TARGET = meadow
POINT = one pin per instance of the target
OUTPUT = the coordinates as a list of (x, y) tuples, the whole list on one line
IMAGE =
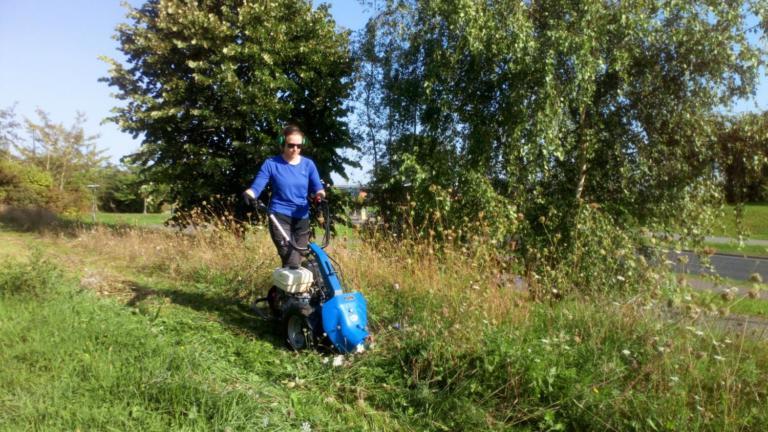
[(139, 329)]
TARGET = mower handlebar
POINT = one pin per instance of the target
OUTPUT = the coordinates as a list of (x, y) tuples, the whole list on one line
[(322, 204)]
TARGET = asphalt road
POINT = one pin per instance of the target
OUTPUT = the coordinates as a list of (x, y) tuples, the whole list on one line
[(729, 266)]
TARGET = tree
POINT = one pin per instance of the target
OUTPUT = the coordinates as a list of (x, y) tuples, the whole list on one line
[(209, 85), (743, 156), (560, 103), (68, 154), (9, 135), (119, 189)]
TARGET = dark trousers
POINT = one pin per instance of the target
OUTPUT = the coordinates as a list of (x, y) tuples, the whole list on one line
[(297, 230)]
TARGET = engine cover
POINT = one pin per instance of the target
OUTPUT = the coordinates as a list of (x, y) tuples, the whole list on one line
[(292, 281)]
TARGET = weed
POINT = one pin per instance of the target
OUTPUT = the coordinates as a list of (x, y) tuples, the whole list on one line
[(36, 276)]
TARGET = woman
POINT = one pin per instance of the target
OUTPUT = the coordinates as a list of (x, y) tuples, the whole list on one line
[(292, 177)]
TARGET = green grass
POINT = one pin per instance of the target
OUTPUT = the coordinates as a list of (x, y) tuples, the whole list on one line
[(134, 219), (171, 348), (754, 225), (734, 249), (172, 360), (741, 305), (752, 307)]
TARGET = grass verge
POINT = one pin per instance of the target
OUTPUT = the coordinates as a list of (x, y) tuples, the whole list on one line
[(735, 249), (120, 219), (754, 224)]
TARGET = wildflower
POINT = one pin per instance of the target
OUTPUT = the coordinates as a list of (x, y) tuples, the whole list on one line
[(674, 379), (338, 360), (626, 352), (718, 358), (306, 427), (620, 278)]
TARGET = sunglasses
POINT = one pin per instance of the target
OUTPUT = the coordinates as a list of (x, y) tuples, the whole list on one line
[(292, 146)]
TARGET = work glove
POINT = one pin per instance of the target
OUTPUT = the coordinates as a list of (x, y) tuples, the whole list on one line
[(249, 200)]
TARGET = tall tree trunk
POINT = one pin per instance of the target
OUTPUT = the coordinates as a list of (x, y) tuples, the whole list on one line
[(582, 155)]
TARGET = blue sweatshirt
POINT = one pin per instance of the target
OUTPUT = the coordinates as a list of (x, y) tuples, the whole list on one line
[(290, 185)]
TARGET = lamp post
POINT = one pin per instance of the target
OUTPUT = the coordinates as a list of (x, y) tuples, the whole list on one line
[(93, 188)]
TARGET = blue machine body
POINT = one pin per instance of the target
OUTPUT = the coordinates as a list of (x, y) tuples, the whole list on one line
[(345, 321), (345, 315)]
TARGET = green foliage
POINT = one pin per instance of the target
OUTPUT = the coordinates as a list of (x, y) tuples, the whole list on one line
[(119, 190), (461, 206), (24, 184), (743, 156), (600, 260), (124, 189), (68, 154), (557, 103), (68, 158), (210, 84)]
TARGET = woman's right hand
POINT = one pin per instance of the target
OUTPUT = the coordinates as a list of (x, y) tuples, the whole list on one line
[(249, 198)]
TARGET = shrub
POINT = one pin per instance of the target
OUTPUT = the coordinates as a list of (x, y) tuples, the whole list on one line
[(24, 184)]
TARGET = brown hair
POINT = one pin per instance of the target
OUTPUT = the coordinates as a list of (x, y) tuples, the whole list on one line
[(292, 129)]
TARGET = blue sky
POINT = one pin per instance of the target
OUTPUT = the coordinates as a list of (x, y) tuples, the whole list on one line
[(49, 59)]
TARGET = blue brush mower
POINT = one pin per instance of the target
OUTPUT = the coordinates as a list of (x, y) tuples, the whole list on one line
[(310, 303)]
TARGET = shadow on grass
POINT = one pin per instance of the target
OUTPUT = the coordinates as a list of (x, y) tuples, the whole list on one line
[(231, 312), (40, 220)]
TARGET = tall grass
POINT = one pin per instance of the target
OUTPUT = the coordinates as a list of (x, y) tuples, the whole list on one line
[(458, 343)]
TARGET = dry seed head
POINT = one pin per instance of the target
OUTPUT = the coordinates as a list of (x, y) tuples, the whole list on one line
[(727, 295)]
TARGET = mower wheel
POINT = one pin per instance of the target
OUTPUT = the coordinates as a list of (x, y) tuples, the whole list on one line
[(297, 328)]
